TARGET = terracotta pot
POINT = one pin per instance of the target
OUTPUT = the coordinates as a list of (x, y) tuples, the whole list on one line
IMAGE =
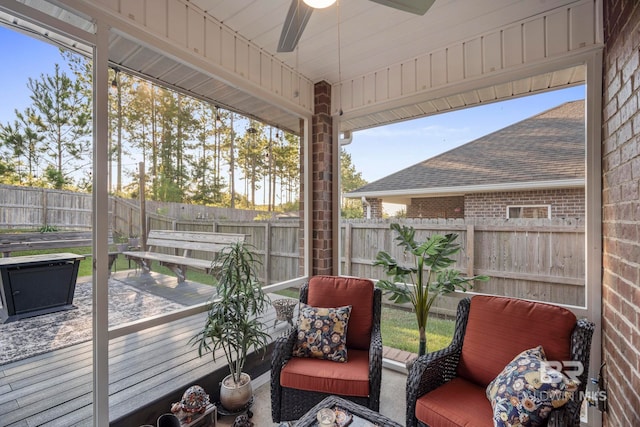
[(235, 397)]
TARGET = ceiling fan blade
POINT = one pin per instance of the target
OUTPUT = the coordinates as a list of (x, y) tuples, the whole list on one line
[(297, 18), (417, 7)]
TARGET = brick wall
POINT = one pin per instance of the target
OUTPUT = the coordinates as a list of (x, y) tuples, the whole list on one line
[(621, 211), (376, 208), (322, 181), (565, 203), (436, 207)]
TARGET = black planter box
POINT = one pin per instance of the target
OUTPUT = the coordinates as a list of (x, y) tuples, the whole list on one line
[(37, 284)]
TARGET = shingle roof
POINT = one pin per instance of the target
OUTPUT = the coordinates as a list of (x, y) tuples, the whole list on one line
[(547, 147)]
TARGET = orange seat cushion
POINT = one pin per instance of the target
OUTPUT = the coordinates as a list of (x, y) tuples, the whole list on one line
[(333, 291), (346, 379), (455, 404), (500, 328)]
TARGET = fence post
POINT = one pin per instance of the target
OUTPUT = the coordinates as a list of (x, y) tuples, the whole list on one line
[(45, 213), (347, 249), (470, 249), (114, 213), (267, 253), (130, 221)]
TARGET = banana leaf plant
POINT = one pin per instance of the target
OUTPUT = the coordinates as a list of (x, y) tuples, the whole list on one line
[(429, 276)]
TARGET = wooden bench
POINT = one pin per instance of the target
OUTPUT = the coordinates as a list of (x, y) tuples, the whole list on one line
[(186, 242)]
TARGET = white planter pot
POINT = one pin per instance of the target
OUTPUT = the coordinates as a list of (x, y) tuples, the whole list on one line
[(235, 397)]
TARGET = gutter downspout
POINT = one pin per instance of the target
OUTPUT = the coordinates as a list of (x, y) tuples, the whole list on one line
[(367, 206), (345, 138)]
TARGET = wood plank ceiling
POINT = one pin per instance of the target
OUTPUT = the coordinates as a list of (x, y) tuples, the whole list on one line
[(385, 65)]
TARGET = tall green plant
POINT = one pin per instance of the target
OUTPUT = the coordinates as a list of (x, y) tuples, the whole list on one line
[(234, 323), (429, 277)]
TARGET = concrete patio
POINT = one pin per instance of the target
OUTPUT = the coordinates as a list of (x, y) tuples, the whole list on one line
[(392, 402)]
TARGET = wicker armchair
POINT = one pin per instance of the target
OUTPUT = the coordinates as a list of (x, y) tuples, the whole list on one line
[(318, 379), (433, 371)]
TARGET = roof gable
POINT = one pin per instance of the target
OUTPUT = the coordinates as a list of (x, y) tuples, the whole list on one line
[(546, 147)]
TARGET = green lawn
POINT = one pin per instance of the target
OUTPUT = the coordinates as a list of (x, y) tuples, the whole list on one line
[(398, 326), (400, 330)]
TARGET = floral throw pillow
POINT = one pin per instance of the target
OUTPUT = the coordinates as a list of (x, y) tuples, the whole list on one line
[(527, 389), (322, 333)]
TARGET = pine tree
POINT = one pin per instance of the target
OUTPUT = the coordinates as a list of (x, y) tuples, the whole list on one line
[(62, 117)]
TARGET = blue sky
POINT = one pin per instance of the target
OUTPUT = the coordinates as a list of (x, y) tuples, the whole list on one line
[(375, 152), (381, 151), (24, 57)]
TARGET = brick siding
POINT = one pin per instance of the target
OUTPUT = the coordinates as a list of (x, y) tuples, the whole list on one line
[(436, 207), (322, 181), (621, 211), (565, 203), (376, 208)]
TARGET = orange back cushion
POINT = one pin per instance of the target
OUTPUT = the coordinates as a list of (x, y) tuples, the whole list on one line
[(333, 291), (500, 328)]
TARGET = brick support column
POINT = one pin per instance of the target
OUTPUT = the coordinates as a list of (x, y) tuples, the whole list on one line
[(621, 212), (376, 208), (323, 184)]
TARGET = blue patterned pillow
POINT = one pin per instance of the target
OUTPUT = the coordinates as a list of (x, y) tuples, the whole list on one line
[(322, 333), (527, 389)]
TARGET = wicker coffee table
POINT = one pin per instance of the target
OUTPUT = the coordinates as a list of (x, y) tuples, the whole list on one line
[(362, 417)]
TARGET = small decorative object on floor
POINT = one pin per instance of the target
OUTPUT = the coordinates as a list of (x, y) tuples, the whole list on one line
[(194, 402), (242, 421)]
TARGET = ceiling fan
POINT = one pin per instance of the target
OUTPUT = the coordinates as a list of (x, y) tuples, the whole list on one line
[(300, 12)]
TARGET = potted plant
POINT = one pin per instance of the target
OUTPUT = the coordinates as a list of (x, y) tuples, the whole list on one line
[(429, 274), (233, 322), (120, 241), (134, 241)]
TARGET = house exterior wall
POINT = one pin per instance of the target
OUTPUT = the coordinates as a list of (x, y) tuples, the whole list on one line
[(375, 208), (621, 212), (436, 207), (565, 203)]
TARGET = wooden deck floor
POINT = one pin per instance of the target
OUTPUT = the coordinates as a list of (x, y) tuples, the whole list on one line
[(55, 388)]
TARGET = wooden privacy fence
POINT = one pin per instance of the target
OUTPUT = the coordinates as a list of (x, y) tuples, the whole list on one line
[(535, 259), (538, 259), (34, 207), (31, 207), (541, 260)]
